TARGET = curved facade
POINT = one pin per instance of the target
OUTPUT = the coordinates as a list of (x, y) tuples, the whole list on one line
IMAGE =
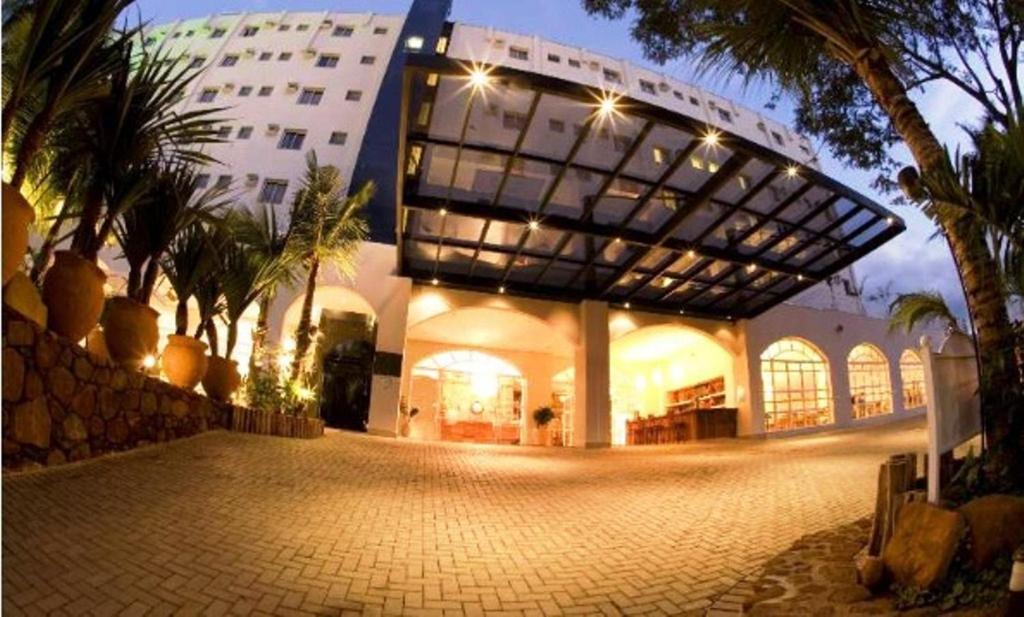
[(676, 209)]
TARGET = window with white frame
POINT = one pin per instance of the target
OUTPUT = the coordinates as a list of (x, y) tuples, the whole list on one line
[(327, 61), (273, 191), (912, 376), (291, 140), (229, 60), (244, 132), (796, 385), (266, 90), (338, 138), (354, 95), (245, 91), (344, 31), (518, 53), (250, 31), (870, 390), (311, 96), (208, 95)]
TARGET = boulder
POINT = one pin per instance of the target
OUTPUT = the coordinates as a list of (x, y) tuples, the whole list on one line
[(923, 545), (31, 423), (995, 525), (13, 374)]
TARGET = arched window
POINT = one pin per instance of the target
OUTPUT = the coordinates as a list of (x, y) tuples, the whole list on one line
[(797, 389), (912, 376), (870, 389), (465, 361)]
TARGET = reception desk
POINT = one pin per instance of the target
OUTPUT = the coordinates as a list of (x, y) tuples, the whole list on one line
[(678, 426)]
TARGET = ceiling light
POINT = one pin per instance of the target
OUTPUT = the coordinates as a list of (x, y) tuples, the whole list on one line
[(792, 171), (478, 78), (890, 220), (618, 240), (501, 289), (626, 305), (682, 312), (534, 225), (607, 106), (443, 212), (752, 268), (691, 253), (711, 138), (799, 277), (149, 361), (665, 282), (434, 282)]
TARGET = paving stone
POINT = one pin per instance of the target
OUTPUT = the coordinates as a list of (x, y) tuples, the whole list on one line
[(228, 523)]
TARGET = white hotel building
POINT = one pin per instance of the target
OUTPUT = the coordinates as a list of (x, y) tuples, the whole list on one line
[(651, 268)]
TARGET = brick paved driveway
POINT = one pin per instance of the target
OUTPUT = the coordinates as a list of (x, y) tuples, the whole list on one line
[(231, 523)]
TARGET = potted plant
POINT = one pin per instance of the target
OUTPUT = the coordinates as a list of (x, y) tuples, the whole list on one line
[(56, 57), (221, 378), (171, 202), (542, 416), (105, 151), (327, 228)]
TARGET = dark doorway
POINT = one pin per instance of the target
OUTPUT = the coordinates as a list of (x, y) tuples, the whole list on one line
[(346, 352)]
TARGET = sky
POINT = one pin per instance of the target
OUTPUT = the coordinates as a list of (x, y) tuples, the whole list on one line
[(914, 261)]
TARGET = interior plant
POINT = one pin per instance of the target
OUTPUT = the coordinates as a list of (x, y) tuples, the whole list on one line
[(105, 148), (542, 417), (172, 201), (56, 56), (327, 229)]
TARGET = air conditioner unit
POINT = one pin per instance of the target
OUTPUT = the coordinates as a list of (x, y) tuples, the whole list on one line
[(326, 24), (271, 23), (498, 42), (594, 66), (310, 53), (664, 87), (249, 53), (293, 86), (272, 129), (251, 179), (229, 87)]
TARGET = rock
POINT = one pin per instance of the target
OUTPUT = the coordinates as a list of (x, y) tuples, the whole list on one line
[(61, 384), (33, 385), (101, 376), (923, 545), (83, 368), (149, 403), (84, 402), (10, 447), (23, 296), (31, 424), (119, 380), (80, 452), (870, 572), (74, 428), (108, 403), (47, 351), (56, 457), (995, 525), (179, 408), (117, 432), (848, 594), (13, 374), (130, 400), (96, 426), (20, 333)]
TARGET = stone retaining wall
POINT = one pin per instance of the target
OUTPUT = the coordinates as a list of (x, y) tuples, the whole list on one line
[(61, 403)]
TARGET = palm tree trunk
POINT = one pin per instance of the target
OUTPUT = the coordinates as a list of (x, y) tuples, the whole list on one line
[(85, 233), (232, 339), (259, 333), (134, 281), (181, 317), (149, 281), (302, 337), (30, 145), (42, 258), (211, 336), (979, 271)]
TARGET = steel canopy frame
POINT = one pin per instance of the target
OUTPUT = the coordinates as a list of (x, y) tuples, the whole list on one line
[(626, 279)]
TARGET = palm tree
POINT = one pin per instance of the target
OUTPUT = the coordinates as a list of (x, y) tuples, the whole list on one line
[(327, 229), (187, 264), (133, 127), (259, 231), (243, 281), (173, 202), (909, 310), (57, 56), (794, 42)]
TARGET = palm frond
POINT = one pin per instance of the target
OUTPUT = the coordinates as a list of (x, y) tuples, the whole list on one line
[(911, 310)]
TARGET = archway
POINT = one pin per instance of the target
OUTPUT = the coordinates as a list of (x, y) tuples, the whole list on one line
[(503, 359), (870, 387), (797, 386), (912, 376), (667, 368)]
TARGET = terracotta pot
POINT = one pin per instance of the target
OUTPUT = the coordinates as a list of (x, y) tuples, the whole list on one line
[(96, 344), (21, 295), (184, 361), (73, 294), (17, 216), (131, 332), (221, 379)]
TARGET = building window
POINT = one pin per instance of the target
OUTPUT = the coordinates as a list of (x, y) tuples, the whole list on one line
[(250, 31), (245, 132), (311, 96), (245, 91), (414, 43), (217, 33), (660, 155), (265, 55), (229, 60), (354, 95), (870, 390), (743, 181), (380, 30), (912, 376), (345, 31), (327, 61), (284, 56), (678, 95), (778, 138), (338, 138), (554, 58), (202, 180), (367, 60), (223, 181), (612, 76), (518, 53), (273, 191), (648, 87), (291, 140), (302, 27), (284, 28), (556, 126), (574, 63), (208, 95), (223, 132), (725, 115), (797, 388), (266, 90), (513, 120), (694, 101), (197, 62)]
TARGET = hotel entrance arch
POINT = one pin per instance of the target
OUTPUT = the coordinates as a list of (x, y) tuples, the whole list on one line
[(667, 370), (477, 374)]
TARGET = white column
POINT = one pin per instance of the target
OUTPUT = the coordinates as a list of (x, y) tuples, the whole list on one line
[(593, 410), (385, 389)]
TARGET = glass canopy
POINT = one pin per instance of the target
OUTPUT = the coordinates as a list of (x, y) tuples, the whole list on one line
[(516, 182)]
